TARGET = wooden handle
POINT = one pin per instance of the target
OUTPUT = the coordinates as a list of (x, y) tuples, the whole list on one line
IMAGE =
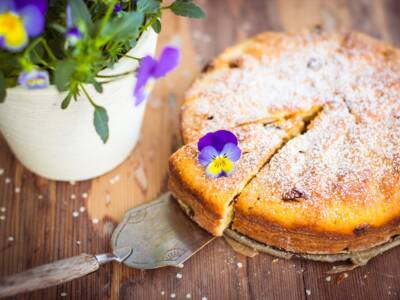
[(48, 275)]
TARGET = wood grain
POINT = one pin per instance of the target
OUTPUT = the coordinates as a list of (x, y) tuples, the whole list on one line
[(39, 218), (48, 275)]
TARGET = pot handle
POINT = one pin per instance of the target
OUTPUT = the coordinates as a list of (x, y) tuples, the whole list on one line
[(52, 274)]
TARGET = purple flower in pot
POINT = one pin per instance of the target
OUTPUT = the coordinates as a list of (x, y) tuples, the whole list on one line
[(19, 20), (151, 69)]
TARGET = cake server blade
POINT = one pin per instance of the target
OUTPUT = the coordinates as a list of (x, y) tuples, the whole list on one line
[(152, 235)]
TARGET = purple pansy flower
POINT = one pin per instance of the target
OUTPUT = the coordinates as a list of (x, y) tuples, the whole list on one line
[(117, 8), (19, 20), (35, 79), (73, 35), (218, 151), (151, 69)]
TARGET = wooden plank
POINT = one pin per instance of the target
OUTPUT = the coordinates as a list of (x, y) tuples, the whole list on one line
[(40, 217)]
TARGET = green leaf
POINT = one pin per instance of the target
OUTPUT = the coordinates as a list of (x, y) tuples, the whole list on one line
[(148, 6), (186, 8), (2, 87), (63, 74), (156, 26), (100, 122), (98, 86), (66, 101), (79, 11), (123, 27)]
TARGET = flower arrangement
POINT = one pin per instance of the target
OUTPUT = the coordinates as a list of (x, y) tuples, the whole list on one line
[(68, 44)]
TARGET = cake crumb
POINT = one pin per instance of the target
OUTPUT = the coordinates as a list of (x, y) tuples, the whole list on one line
[(179, 275), (73, 196), (188, 295), (11, 239), (75, 214), (63, 294), (40, 196), (95, 221), (78, 242), (1, 171), (239, 265), (275, 260), (2, 217), (328, 278), (308, 292), (7, 180), (85, 195), (82, 209), (162, 293), (3, 209), (115, 179), (173, 295), (17, 190)]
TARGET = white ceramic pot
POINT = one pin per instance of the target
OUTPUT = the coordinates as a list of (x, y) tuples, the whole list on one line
[(63, 144)]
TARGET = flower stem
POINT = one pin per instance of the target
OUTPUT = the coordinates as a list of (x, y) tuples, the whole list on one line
[(88, 96), (135, 58), (107, 16), (115, 75)]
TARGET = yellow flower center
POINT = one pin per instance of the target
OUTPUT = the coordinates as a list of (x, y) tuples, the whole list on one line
[(12, 30), (219, 164)]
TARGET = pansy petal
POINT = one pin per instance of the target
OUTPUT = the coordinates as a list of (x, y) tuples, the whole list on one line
[(7, 5), (214, 170), (222, 137), (40, 4), (207, 155), (33, 20), (205, 141), (228, 167), (168, 61), (231, 152), (144, 73), (35, 79)]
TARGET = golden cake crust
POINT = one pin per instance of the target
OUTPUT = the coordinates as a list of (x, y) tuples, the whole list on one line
[(332, 188)]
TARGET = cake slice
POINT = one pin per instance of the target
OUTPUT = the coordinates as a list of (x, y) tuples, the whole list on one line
[(208, 200), (330, 190)]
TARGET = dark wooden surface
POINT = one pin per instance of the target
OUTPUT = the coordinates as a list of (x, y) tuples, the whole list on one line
[(38, 226)]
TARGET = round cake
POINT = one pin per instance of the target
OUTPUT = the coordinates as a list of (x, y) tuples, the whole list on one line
[(317, 117)]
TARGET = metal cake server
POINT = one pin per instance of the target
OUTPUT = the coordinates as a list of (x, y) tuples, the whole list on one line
[(153, 235)]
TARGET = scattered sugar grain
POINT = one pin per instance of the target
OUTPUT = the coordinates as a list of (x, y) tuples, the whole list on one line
[(308, 292), (275, 260), (180, 266), (7, 180), (328, 278), (73, 196), (3, 209), (82, 209), (63, 294), (188, 295), (72, 182), (179, 275), (162, 293), (85, 195), (11, 239), (173, 295), (203, 298), (95, 221), (78, 242), (2, 218), (75, 214), (17, 190), (239, 265), (40, 196), (1, 171)]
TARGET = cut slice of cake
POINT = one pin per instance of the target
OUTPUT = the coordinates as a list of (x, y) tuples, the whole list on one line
[(330, 190), (208, 200)]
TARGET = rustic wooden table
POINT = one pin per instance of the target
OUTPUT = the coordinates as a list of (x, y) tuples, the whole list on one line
[(37, 220)]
